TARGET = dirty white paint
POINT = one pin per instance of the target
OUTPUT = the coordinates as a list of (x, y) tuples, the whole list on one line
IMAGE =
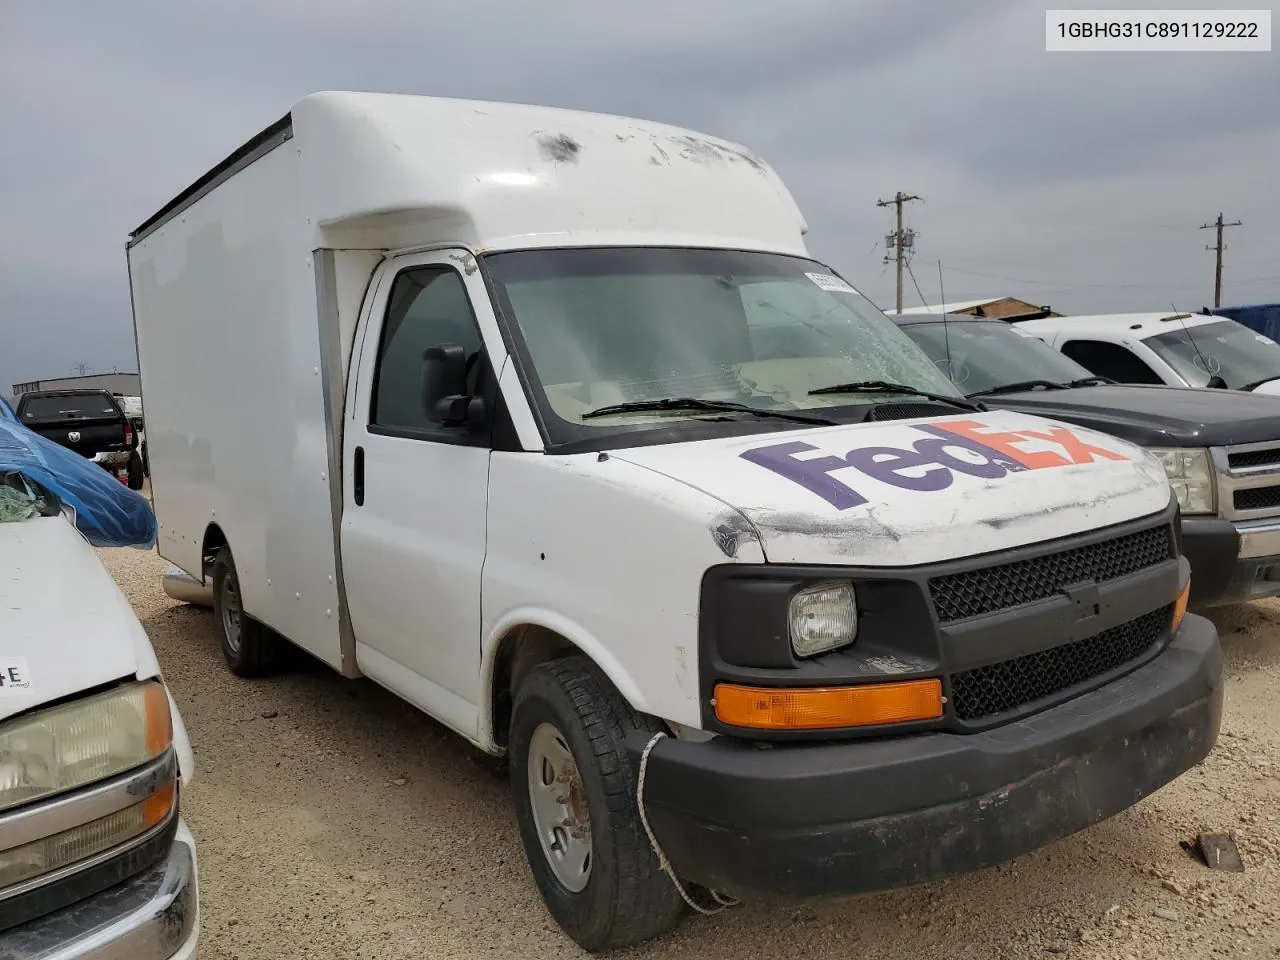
[(393, 171), (897, 523), (65, 625), (621, 578)]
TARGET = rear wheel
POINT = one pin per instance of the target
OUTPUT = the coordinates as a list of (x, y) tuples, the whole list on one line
[(250, 649), (135, 471), (575, 797)]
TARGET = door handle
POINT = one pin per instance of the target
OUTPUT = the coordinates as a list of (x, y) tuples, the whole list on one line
[(357, 480)]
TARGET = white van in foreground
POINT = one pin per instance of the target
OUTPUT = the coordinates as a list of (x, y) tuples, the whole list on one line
[(95, 861), (547, 422), (1175, 349)]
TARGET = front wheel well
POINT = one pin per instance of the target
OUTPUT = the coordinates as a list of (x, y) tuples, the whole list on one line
[(521, 650), (214, 540)]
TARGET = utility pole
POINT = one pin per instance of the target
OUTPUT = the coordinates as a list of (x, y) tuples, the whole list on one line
[(900, 241), (1218, 247)]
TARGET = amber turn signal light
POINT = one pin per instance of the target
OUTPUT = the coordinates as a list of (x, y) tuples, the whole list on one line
[(1180, 607), (821, 708)]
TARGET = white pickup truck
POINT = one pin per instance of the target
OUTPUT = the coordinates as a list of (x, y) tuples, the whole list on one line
[(95, 860), (1175, 349), (549, 423)]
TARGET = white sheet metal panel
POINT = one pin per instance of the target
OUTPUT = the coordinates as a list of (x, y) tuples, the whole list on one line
[(228, 343), (610, 556), (385, 170), (918, 491)]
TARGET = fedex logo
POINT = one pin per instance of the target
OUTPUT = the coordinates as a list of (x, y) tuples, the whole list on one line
[(930, 463)]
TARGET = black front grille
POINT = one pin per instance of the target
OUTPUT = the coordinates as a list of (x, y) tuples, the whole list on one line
[(988, 691), (1254, 458), (975, 592), (1259, 498)]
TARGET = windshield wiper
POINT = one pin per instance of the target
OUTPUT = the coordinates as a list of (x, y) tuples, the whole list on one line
[(1020, 386), (693, 403), (1258, 383), (1046, 384), (884, 386)]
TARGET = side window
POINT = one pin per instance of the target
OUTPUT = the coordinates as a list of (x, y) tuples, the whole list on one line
[(428, 307), (1110, 360)]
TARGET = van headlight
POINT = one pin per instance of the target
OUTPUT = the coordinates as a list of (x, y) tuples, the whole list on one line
[(823, 617), (1190, 473), (79, 743)]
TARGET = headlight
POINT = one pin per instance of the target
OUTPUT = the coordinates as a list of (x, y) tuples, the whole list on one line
[(1190, 474), (823, 617), (82, 742)]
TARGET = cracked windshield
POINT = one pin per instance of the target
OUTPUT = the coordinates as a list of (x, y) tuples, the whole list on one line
[(607, 329), (981, 356), (1225, 349)]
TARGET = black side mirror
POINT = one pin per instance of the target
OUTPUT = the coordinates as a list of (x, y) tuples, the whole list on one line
[(1216, 383), (444, 387)]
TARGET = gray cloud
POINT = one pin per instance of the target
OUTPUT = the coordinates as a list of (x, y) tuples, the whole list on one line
[(1075, 179)]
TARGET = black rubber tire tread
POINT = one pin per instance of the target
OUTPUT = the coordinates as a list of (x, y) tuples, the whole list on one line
[(136, 478), (261, 651), (628, 899)]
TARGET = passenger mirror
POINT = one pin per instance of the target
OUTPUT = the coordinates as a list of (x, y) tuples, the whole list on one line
[(444, 388)]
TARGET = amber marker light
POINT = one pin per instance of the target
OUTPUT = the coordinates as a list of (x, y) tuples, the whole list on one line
[(1180, 607), (821, 708)]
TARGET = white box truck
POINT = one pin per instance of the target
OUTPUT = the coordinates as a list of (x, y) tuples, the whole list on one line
[(549, 423)]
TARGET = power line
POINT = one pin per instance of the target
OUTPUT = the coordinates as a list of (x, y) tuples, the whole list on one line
[(916, 283), (900, 241), (1217, 272)]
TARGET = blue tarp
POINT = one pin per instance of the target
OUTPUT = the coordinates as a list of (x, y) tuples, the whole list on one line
[(108, 513), (1263, 318)]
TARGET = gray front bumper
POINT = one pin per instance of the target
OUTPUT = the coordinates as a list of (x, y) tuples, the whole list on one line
[(153, 916)]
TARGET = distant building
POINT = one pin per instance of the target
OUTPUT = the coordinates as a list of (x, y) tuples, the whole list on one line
[(997, 308), (128, 384)]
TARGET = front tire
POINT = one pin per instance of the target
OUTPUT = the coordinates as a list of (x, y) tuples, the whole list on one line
[(250, 649), (575, 797)]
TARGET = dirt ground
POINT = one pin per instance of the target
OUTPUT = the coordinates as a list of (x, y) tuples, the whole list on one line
[(334, 821)]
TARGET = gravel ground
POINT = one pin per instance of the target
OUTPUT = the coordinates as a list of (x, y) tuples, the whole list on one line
[(334, 821)]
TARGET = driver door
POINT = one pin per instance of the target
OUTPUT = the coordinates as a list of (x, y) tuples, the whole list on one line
[(415, 496)]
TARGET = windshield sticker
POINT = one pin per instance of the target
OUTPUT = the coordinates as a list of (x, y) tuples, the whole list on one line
[(14, 678), (968, 447), (829, 283)]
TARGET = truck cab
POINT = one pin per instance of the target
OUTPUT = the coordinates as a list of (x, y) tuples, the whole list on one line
[(549, 423), (1176, 349)]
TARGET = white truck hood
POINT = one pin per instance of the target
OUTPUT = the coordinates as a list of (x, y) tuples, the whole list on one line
[(65, 627), (917, 491)]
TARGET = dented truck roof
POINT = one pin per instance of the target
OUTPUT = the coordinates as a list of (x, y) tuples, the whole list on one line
[(388, 170)]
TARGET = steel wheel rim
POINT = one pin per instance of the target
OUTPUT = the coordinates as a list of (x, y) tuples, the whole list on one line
[(231, 614), (559, 806)]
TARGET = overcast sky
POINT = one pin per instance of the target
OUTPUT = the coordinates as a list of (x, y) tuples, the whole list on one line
[(1075, 180)]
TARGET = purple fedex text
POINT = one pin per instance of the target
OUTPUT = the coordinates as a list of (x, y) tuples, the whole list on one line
[(928, 464)]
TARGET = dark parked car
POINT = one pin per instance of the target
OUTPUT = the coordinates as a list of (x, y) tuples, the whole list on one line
[(1220, 448), (89, 422)]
